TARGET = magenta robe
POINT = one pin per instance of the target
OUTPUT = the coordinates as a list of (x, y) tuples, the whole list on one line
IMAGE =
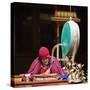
[(55, 66)]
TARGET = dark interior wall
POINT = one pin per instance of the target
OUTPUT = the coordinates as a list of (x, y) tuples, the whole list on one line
[(30, 32), (83, 48)]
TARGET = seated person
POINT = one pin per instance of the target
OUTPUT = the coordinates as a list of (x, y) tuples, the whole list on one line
[(45, 64)]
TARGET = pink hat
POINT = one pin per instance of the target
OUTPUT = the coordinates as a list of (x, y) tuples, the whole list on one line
[(43, 52)]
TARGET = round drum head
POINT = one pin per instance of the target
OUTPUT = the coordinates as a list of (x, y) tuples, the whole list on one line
[(66, 39), (70, 37)]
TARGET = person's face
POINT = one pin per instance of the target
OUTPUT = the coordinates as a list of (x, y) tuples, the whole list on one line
[(45, 62)]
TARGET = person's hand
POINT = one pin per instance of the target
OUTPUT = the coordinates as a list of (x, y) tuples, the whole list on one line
[(26, 77), (23, 78)]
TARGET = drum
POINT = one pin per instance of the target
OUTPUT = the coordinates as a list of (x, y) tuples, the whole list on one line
[(70, 37)]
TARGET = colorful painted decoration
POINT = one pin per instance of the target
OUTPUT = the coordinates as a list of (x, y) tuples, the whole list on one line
[(76, 74)]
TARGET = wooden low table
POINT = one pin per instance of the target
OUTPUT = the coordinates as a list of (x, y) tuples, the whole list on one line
[(16, 81)]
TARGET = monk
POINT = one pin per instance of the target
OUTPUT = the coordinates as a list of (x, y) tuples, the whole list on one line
[(45, 64)]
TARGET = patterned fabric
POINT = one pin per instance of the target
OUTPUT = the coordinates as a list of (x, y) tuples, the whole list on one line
[(54, 66), (44, 69)]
